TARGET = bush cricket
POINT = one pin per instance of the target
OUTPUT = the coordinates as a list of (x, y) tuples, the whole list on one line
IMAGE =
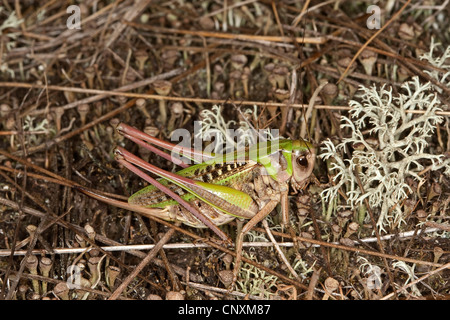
[(216, 191)]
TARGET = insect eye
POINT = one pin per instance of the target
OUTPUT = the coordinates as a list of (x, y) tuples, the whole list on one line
[(302, 161)]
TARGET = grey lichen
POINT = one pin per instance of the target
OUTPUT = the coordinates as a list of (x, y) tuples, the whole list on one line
[(438, 62), (389, 145), (12, 22), (230, 136), (254, 281)]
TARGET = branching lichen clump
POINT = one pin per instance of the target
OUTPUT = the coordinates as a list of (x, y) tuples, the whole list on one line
[(12, 22), (214, 125), (438, 62), (387, 145)]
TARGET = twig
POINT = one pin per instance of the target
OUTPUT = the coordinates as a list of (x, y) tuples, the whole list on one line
[(277, 248), (277, 18), (306, 10), (310, 108), (172, 246), (141, 265), (186, 99), (132, 12), (445, 266), (440, 226), (312, 283), (222, 35), (220, 290)]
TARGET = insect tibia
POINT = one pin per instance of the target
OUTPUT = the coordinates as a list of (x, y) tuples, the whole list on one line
[(118, 154), (179, 213)]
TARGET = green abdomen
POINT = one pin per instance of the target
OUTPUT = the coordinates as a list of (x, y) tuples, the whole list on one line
[(226, 174)]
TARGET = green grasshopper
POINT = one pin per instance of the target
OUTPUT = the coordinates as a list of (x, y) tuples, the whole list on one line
[(216, 191)]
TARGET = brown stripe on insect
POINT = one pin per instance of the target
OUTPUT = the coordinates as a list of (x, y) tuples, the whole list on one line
[(220, 171)]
